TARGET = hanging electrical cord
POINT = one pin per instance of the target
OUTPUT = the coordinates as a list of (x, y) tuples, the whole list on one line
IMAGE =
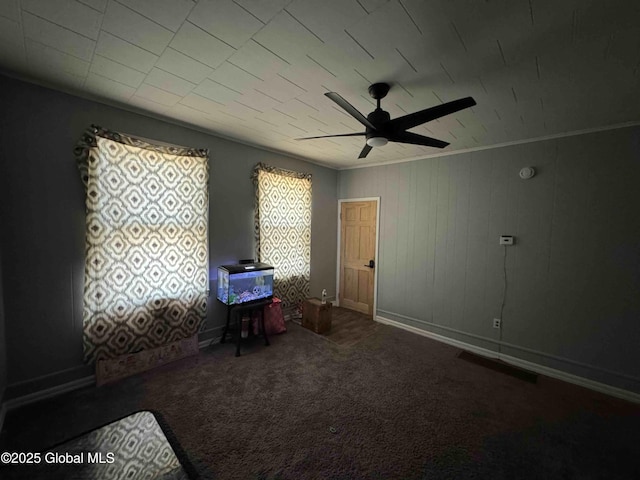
[(504, 298)]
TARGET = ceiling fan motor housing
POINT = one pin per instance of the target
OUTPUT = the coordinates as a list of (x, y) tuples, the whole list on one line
[(377, 117), (379, 90)]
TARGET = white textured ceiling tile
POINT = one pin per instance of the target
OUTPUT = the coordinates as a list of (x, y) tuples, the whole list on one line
[(553, 24), (341, 55), (216, 92), (168, 13), (41, 55), (291, 130), (257, 60), (200, 103), (99, 5), (245, 112), (56, 76), (148, 105), (258, 101), (295, 109), (183, 66), (322, 123), (531, 112), (279, 88), (10, 9), (169, 82), (229, 75), (498, 85), (326, 18), (564, 67), (444, 124), (463, 43), (480, 59), (372, 5), (527, 91), (286, 38), (482, 23), (187, 114), (234, 125), (485, 113), (274, 117), (67, 13), (438, 24), (367, 32), (12, 46), (265, 10), (116, 71), (304, 81), (225, 20), (390, 66), (11, 33), (57, 37), (157, 95), (199, 45), (107, 88), (126, 53), (318, 101), (603, 18), (128, 25)]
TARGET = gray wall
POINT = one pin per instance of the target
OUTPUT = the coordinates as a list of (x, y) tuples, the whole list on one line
[(42, 207), (573, 276)]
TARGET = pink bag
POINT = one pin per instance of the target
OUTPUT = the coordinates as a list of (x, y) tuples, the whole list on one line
[(273, 318)]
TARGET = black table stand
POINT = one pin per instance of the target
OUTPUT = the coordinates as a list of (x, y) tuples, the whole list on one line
[(237, 310)]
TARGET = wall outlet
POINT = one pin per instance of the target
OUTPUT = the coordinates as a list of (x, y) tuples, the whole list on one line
[(506, 239), (497, 323)]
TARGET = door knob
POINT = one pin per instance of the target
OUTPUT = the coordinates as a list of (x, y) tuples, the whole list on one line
[(371, 264)]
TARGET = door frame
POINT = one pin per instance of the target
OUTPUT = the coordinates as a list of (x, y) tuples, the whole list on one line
[(375, 272)]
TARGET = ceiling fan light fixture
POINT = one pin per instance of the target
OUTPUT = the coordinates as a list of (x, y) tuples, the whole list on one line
[(377, 141)]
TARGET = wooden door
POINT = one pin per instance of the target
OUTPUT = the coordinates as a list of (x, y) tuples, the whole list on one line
[(357, 255)]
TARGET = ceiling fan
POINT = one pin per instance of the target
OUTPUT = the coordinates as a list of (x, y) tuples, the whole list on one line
[(380, 129)]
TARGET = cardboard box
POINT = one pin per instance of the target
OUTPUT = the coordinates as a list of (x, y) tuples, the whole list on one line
[(316, 316)]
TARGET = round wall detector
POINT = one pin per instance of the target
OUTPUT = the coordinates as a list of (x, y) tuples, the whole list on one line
[(527, 172)]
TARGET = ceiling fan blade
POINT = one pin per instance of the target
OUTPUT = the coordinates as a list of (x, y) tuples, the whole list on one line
[(359, 134), (415, 139), (418, 118), (350, 109), (365, 151)]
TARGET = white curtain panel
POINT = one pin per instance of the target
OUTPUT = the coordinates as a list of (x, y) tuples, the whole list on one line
[(146, 268), (283, 229)]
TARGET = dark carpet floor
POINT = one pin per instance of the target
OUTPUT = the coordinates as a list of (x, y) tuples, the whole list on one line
[(394, 406), (349, 327)]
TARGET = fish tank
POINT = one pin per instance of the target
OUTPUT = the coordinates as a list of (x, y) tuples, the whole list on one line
[(244, 283)]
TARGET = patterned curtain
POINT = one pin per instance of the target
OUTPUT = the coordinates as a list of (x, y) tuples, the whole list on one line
[(283, 229), (146, 267)]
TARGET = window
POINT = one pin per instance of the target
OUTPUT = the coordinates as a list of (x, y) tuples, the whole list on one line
[(283, 229), (146, 267)]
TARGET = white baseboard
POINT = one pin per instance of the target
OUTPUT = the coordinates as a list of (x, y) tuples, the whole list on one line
[(50, 392), (534, 367), (207, 343), (67, 387)]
